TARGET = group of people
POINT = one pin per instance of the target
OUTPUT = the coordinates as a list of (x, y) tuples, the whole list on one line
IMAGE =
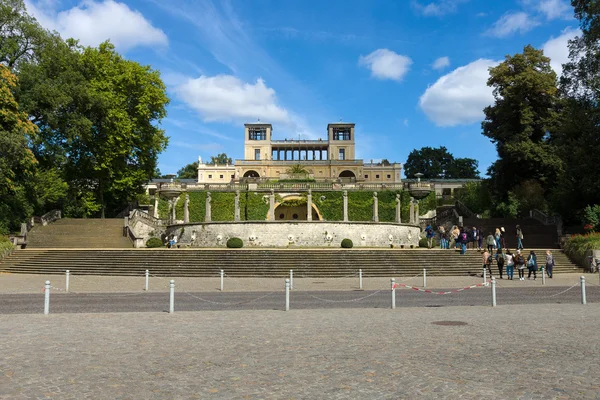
[(462, 237), (516, 260)]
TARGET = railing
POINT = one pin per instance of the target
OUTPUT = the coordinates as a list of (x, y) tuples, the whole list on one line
[(295, 162), (544, 218), (263, 184), (146, 218), (464, 210), (130, 207)]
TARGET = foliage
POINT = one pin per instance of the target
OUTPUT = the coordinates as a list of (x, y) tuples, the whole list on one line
[(360, 206), (509, 208), (294, 202), (253, 206), (223, 206), (591, 216), (5, 245), (330, 205), (347, 244), (190, 171), (519, 122), (475, 196), (220, 159), (154, 242), (297, 169), (578, 246), (438, 163), (235, 243)]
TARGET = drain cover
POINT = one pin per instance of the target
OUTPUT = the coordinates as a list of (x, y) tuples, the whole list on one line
[(449, 323)]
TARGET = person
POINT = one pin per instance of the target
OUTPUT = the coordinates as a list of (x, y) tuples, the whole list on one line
[(455, 235), (502, 241), (497, 235), (429, 234), (510, 265), (174, 241), (491, 242), (520, 264), (443, 237), (452, 237), (171, 242), (487, 262), (532, 265), (480, 238), (463, 241), (549, 263), (519, 238), (500, 260), (474, 236)]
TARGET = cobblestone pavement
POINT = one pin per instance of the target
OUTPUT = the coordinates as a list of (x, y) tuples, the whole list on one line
[(508, 352)]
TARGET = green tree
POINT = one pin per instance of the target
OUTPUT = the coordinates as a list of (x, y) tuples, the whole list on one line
[(220, 159), (520, 121), (190, 171), (439, 163), (297, 169)]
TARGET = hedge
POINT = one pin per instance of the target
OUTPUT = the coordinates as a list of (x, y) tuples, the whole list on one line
[(577, 247), (347, 244), (235, 243), (154, 242)]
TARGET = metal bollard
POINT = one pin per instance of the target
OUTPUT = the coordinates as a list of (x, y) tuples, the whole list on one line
[(222, 273), (287, 295), (291, 279), (67, 281), (147, 275), (360, 279), (484, 276), (424, 277), (172, 297), (493, 292), (393, 283), (543, 276), (47, 298), (583, 299)]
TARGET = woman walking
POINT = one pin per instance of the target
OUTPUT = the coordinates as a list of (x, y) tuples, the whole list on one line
[(510, 265), (500, 260), (519, 238), (497, 236), (490, 242), (520, 263), (549, 263), (532, 265)]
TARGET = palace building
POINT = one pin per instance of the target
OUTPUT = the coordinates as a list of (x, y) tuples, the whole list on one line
[(331, 159)]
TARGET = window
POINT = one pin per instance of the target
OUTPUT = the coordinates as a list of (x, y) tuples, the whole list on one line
[(341, 133), (341, 154), (257, 133), (209, 176), (376, 176), (232, 176), (221, 176), (389, 176), (366, 176), (257, 154)]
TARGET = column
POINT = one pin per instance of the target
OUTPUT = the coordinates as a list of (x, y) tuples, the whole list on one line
[(272, 206), (236, 216), (345, 206), (417, 217), (186, 209), (375, 207), (412, 211), (207, 216), (171, 209), (174, 211), (155, 211), (398, 210), (309, 205)]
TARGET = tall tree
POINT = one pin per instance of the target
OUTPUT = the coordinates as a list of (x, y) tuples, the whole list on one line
[(220, 159), (190, 171), (520, 121), (439, 163)]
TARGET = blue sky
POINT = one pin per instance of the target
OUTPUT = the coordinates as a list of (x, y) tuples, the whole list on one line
[(408, 73)]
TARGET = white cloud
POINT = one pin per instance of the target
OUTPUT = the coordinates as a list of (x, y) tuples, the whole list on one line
[(511, 23), (441, 63), (227, 98), (555, 9), (438, 8), (459, 97), (94, 22), (385, 64), (557, 49)]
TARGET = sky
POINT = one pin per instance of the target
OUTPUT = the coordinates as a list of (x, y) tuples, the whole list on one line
[(408, 73)]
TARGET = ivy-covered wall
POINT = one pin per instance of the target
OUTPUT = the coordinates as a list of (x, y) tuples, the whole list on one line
[(254, 206)]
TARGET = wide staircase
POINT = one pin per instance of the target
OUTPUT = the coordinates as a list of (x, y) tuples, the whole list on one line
[(535, 234), (254, 262), (79, 233)]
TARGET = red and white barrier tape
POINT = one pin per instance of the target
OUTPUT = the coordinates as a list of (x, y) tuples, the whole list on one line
[(434, 292)]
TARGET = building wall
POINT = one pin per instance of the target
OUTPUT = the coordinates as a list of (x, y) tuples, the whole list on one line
[(215, 173)]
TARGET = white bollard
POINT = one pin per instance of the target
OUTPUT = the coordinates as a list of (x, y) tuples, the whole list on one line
[(393, 283), (67, 281), (424, 277), (172, 297), (47, 298), (583, 299), (543, 276), (484, 276), (287, 295), (147, 275), (291, 279), (360, 279), (222, 273), (493, 292)]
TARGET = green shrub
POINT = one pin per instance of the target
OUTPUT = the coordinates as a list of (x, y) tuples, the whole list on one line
[(347, 244), (154, 242), (578, 246), (235, 243)]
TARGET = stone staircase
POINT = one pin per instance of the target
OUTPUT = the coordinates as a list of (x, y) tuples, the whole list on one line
[(535, 234), (79, 233), (253, 262)]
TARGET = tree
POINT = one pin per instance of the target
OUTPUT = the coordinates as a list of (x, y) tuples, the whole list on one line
[(297, 169), (520, 121), (438, 163), (190, 171), (220, 159)]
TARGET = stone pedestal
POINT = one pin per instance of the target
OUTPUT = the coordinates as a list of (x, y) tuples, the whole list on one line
[(272, 206), (398, 209), (155, 211), (236, 215), (345, 206), (186, 209), (207, 214), (417, 216), (375, 207), (412, 211), (309, 205)]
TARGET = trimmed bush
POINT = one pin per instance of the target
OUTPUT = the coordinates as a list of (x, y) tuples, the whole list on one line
[(235, 243), (347, 244), (154, 242)]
